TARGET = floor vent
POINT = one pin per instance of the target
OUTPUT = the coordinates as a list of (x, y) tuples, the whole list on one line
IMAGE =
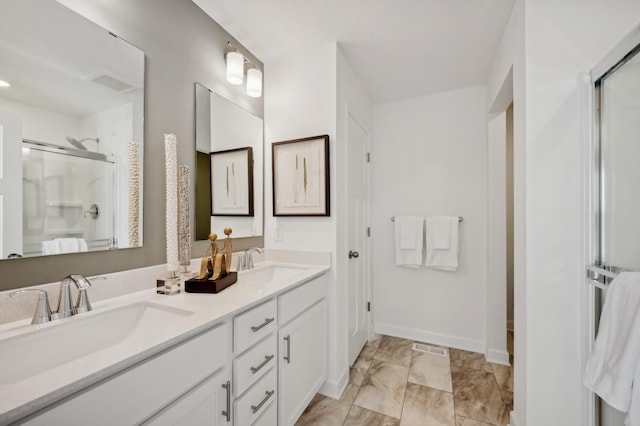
[(421, 347)]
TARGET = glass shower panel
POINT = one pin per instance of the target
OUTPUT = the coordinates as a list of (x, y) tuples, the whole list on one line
[(620, 173), (619, 187), (67, 196)]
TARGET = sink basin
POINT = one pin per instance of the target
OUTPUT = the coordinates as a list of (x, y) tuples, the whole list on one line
[(270, 273), (35, 352)]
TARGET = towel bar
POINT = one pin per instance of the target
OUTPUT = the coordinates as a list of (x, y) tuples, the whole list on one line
[(393, 218)]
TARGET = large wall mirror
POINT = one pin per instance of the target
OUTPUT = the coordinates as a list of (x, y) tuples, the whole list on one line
[(71, 133), (229, 167)]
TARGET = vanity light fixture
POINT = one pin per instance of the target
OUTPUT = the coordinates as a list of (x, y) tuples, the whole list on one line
[(254, 82), (235, 68), (4, 83), (235, 72)]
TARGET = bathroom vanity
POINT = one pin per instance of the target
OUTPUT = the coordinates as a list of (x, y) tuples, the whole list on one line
[(254, 354)]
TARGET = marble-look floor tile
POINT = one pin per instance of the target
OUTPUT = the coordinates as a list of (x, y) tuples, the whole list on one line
[(431, 370), (360, 367), (395, 350), (477, 396), (383, 388), (375, 340), (504, 376), (359, 416), (465, 421), (507, 397), (325, 411), (426, 406), (460, 358)]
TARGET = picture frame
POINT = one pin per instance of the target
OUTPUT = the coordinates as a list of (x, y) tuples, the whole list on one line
[(300, 172), (232, 182)]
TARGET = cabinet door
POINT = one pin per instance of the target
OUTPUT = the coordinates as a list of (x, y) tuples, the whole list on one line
[(206, 404), (303, 361)]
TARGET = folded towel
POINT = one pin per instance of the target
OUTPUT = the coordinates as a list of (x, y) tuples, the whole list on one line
[(612, 368), (64, 245), (440, 226), (409, 241), (409, 233), (438, 229)]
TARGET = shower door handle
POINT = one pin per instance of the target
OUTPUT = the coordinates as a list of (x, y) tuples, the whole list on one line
[(353, 254)]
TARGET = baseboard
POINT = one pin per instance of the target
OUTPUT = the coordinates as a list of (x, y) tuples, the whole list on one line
[(334, 389), (498, 356), (513, 420), (510, 325), (431, 337)]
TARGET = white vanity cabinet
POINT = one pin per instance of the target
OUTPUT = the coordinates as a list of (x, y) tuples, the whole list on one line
[(208, 404), (254, 367), (302, 367), (167, 381)]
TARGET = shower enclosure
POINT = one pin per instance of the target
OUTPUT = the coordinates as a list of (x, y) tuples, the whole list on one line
[(67, 193), (615, 181)]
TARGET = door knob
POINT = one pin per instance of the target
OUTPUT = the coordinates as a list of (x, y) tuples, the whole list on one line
[(353, 254)]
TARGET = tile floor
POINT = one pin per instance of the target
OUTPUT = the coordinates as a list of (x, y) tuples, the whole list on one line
[(391, 384)]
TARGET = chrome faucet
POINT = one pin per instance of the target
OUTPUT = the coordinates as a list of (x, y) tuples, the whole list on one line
[(43, 311), (246, 262), (82, 304), (65, 307)]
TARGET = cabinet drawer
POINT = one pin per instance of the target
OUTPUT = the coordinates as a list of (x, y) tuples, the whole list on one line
[(261, 396), (255, 363), (294, 302), (135, 394), (269, 417), (252, 326)]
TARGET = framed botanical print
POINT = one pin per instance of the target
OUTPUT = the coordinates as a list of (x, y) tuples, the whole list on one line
[(301, 177), (232, 182)]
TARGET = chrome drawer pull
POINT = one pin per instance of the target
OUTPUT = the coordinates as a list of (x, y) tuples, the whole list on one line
[(267, 358), (288, 356), (268, 394), (267, 321), (227, 413)]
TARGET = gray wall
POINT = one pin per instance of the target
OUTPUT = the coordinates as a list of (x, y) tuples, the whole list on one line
[(182, 46)]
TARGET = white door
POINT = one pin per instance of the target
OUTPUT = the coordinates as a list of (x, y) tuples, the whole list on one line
[(357, 216), (10, 184)]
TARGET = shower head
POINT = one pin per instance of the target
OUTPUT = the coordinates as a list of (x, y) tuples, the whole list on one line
[(78, 143)]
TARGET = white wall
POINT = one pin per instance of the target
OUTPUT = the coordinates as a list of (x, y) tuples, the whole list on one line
[(43, 125), (562, 39), (506, 85), (496, 295), (547, 44), (430, 159), (300, 101)]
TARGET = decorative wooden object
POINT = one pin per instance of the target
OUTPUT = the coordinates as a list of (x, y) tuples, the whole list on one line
[(215, 270)]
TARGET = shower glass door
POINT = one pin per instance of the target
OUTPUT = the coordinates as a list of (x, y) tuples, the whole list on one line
[(66, 196), (618, 185)]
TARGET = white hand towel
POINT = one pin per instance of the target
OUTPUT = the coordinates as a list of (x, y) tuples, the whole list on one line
[(82, 245), (612, 367), (409, 234), (67, 245), (49, 247), (441, 229), (407, 229), (442, 259)]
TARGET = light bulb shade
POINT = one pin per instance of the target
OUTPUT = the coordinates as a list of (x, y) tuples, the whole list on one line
[(235, 68), (254, 82)]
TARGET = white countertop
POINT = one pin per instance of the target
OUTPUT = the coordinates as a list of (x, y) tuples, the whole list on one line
[(25, 397)]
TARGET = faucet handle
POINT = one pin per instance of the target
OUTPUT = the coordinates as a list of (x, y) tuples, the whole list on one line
[(43, 311), (83, 283)]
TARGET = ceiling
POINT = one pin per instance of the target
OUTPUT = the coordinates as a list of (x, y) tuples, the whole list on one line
[(399, 48)]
